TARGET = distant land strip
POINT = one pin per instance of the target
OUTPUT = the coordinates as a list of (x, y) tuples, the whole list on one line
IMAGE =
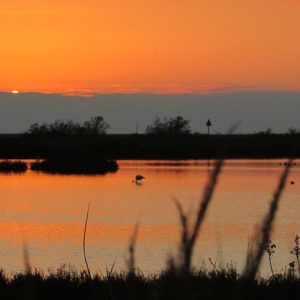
[(139, 146)]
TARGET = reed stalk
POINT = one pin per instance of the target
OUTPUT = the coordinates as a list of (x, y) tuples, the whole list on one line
[(83, 242), (131, 250), (27, 265), (189, 236), (267, 226)]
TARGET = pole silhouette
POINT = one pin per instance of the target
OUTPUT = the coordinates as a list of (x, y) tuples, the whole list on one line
[(208, 124)]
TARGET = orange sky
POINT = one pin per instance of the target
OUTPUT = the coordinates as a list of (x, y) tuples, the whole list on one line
[(160, 46)]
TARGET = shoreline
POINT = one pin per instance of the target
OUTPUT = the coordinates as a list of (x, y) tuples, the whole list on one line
[(149, 147)]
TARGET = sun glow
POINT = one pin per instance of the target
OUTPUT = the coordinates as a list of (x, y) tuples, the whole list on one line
[(149, 46), (15, 92)]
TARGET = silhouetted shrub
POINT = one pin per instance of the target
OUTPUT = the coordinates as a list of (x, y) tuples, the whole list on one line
[(171, 126), (293, 130), (95, 126), (264, 132)]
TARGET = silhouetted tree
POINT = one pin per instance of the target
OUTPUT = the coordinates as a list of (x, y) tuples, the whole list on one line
[(96, 125), (171, 126), (293, 130)]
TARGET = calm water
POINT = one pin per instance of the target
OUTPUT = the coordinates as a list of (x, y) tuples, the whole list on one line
[(47, 212)]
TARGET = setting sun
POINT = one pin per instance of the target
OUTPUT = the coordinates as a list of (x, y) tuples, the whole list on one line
[(15, 92)]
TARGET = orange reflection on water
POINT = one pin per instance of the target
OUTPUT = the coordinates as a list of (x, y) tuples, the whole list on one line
[(49, 211)]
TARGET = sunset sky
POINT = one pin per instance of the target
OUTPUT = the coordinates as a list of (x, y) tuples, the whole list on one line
[(157, 46)]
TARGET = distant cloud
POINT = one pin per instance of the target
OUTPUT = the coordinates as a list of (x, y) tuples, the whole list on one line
[(31, 12), (40, 12), (153, 88)]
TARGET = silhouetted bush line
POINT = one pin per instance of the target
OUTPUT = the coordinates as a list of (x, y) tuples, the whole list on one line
[(134, 146), (73, 165), (9, 166), (95, 126)]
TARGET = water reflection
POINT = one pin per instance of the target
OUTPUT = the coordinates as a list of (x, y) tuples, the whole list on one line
[(49, 210)]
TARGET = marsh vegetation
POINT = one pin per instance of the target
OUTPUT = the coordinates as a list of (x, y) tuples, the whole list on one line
[(75, 165), (94, 126), (12, 166), (164, 138)]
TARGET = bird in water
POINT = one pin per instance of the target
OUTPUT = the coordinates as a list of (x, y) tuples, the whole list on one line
[(138, 179), (292, 182)]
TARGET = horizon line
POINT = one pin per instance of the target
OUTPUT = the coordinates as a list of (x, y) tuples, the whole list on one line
[(94, 93)]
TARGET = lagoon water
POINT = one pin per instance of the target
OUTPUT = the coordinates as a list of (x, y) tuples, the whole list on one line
[(46, 213)]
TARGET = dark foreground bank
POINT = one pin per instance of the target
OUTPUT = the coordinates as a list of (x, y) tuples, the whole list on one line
[(218, 284), (151, 146)]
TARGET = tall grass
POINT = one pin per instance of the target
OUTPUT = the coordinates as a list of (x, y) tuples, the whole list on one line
[(83, 241), (131, 249), (296, 252), (27, 265), (264, 235), (189, 233)]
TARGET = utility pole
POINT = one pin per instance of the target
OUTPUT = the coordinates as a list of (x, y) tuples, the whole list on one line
[(208, 124)]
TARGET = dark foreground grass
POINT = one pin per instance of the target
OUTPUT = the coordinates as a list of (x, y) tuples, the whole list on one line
[(75, 165), (9, 166), (218, 284)]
